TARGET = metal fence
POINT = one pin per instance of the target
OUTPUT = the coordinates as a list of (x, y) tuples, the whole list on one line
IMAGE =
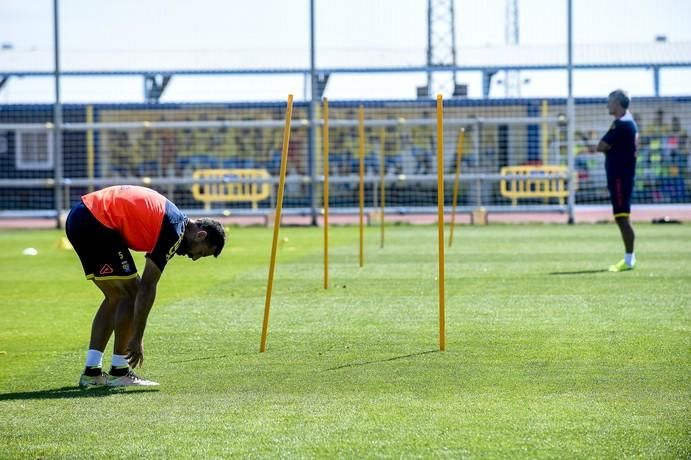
[(513, 154)]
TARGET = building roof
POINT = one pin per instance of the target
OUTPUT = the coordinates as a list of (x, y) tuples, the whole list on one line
[(32, 61)]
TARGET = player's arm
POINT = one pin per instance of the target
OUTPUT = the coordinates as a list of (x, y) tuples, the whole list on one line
[(603, 146), (609, 139), (146, 294)]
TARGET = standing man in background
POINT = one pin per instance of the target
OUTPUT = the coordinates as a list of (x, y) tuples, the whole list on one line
[(102, 228), (619, 146)]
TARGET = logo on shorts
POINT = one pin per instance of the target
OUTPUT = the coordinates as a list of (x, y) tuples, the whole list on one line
[(106, 269), (125, 266)]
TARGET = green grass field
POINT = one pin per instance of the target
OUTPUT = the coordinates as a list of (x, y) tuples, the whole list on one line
[(548, 356)]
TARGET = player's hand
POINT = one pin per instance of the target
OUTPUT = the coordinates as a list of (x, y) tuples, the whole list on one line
[(135, 352)]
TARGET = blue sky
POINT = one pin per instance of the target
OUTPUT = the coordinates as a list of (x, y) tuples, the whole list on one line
[(164, 34)]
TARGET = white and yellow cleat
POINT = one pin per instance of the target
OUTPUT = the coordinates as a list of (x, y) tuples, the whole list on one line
[(92, 381), (129, 380)]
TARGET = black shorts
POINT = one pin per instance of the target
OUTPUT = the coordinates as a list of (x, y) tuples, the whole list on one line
[(102, 251), (620, 190)]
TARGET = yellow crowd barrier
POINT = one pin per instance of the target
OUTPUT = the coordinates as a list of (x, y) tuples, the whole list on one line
[(532, 183), (226, 191)]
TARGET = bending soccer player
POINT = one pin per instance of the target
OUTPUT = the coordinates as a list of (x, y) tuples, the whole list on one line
[(619, 147), (102, 228)]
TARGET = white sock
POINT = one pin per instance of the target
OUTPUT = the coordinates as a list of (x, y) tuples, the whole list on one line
[(94, 358), (630, 259), (119, 361)]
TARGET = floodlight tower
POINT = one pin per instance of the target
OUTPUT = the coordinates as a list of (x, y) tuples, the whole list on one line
[(512, 78), (441, 48)]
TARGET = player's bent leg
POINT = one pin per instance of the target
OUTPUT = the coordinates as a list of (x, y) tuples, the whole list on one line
[(102, 324), (122, 375), (118, 293), (124, 315), (101, 330)]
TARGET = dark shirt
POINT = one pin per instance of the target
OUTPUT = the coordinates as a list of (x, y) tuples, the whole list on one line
[(621, 137)]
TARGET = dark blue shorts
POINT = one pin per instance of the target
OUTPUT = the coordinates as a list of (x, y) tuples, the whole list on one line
[(620, 190), (102, 251)]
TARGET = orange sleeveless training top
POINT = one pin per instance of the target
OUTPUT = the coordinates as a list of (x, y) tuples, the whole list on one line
[(135, 212)]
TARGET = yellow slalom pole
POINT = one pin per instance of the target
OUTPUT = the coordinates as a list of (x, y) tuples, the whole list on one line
[(382, 187), (90, 146), (440, 223), (545, 132), (277, 221), (459, 154), (361, 132), (325, 140)]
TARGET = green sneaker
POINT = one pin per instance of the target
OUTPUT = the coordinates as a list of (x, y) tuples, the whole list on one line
[(89, 381), (620, 266)]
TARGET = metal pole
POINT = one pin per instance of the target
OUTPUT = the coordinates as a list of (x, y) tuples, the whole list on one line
[(314, 96), (656, 80), (429, 47), (57, 119), (453, 46), (570, 115)]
